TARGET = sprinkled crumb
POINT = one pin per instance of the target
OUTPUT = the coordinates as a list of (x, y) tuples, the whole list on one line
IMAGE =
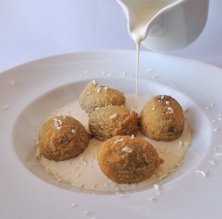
[(105, 88), (86, 212), (159, 193), (83, 162), (74, 205), (127, 149), (219, 117), (98, 89), (73, 131), (202, 173), (133, 185), (212, 162), (59, 179), (167, 102), (106, 184), (218, 154), (114, 116), (119, 194), (156, 187), (152, 199), (132, 136), (216, 129), (57, 123), (150, 70), (12, 82), (180, 143), (118, 140), (170, 110), (156, 76), (5, 107), (162, 97), (153, 108), (94, 82)]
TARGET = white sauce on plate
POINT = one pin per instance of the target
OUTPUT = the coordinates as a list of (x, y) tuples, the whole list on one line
[(84, 172)]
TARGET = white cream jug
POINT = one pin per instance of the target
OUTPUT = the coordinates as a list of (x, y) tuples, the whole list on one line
[(165, 25)]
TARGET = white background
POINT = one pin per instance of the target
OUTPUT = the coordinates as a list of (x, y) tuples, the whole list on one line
[(31, 29)]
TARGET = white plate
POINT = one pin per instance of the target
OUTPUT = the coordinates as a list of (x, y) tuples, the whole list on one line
[(28, 93)]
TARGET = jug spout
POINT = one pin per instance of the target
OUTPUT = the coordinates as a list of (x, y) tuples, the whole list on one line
[(172, 25)]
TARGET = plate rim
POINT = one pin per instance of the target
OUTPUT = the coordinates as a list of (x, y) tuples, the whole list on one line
[(101, 52)]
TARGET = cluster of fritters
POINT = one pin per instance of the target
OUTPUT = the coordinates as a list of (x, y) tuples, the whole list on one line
[(123, 157)]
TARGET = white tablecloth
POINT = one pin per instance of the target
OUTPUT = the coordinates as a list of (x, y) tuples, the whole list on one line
[(31, 29)]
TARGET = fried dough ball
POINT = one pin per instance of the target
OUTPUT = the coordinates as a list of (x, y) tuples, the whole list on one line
[(61, 138), (162, 119), (95, 96), (125, 159), (109, 121)]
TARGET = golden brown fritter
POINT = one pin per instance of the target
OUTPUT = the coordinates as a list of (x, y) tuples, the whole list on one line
[(62, 138), (95, 96), (110, 121), (162, 119), (126, 159)]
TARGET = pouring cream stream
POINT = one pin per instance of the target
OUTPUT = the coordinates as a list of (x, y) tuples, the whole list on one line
[(139, 15)]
